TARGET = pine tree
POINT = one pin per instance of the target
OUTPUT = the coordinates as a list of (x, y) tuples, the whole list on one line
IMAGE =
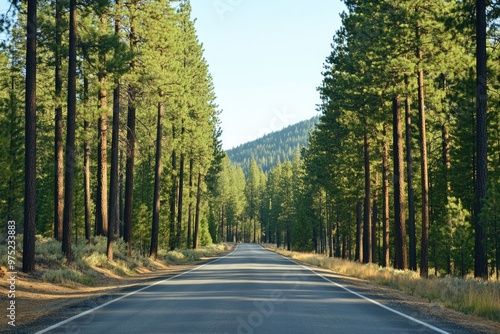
[(400, 258), (153, 251), (481, 262), (58, 135), (70, 134), (30, 141)]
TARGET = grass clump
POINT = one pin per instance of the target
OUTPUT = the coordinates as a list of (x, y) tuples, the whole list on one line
[(67, 277), (467, 295)]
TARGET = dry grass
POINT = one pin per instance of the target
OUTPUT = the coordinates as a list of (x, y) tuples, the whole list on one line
[(90, 260), (470, 296)]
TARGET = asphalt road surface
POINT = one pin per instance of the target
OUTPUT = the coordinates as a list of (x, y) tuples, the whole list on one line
[(248, 291)]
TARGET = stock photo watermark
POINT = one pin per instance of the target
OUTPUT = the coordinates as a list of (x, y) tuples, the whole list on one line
[(279, 119), (264, 309), (12, 273), (222, 7)]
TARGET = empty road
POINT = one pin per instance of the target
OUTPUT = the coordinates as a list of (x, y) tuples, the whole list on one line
[(248, 291)]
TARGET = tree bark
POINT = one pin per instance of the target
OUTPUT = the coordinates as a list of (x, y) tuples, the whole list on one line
[(70, 135), (367, 215), (385, 212), (58, 136), (86, 166), (153, 251), (102, 166), (358, 256), (190, 206), (480, 256), (173, 199), (198, 211), (374, 222), (102, 148), (400, 252), (121, 197), (409, 172), (181, 195), (130, 160), (113, 182), (330, 230), (30, 143), (424, 249)]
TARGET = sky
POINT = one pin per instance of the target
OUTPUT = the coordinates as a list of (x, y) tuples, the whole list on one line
[(266, 59)]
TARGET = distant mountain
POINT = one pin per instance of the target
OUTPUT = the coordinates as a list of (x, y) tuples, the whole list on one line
[(273, 147)]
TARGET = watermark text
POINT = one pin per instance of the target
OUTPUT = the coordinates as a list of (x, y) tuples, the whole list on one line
[(12, 273)]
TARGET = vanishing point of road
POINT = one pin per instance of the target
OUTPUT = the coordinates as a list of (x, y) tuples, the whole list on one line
[(249, 291)]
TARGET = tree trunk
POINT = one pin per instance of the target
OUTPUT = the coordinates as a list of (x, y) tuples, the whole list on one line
[(197, 215), (153, 251), (121, 197), (222, 222), (424, 250), (173, 198), (385, 212), (358, 256), (58, 136), (102, 149), (367, 218), (102, 166), (129, 181), (409, 172), (113, 182), (70, 135), (190, 206), (86, 166), (445, 137), (374, 222), (181, 195), (330, 230), (480, 256), (30, 143), (400, 252)]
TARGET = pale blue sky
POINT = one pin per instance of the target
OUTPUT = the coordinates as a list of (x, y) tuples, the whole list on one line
[(266, 59)]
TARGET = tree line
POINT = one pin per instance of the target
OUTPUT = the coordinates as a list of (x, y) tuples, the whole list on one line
[(120, 129), (403, 167)]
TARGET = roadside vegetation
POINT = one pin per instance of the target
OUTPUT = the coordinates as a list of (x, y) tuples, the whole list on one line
[(467, 295), (90, 262)]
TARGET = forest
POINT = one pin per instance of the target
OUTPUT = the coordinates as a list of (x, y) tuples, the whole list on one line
[(112, 106), (403, 167), (273, 148)]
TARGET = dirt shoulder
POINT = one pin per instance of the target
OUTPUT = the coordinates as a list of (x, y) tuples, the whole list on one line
[(39, 304)]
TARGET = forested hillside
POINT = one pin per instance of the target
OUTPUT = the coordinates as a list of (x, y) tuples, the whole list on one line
[(274, 147)]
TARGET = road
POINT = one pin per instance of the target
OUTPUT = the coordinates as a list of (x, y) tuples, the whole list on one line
[(248, 291)]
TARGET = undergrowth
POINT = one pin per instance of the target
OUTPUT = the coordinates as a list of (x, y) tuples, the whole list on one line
[(88, 258)]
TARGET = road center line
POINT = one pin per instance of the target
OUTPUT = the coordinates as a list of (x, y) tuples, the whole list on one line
[(129, 294)]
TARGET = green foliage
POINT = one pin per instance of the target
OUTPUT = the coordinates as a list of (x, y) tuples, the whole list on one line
[(205, 237)]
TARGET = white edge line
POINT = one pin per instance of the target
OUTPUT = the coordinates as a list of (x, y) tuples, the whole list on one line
[(128, 295), (368, 299)]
